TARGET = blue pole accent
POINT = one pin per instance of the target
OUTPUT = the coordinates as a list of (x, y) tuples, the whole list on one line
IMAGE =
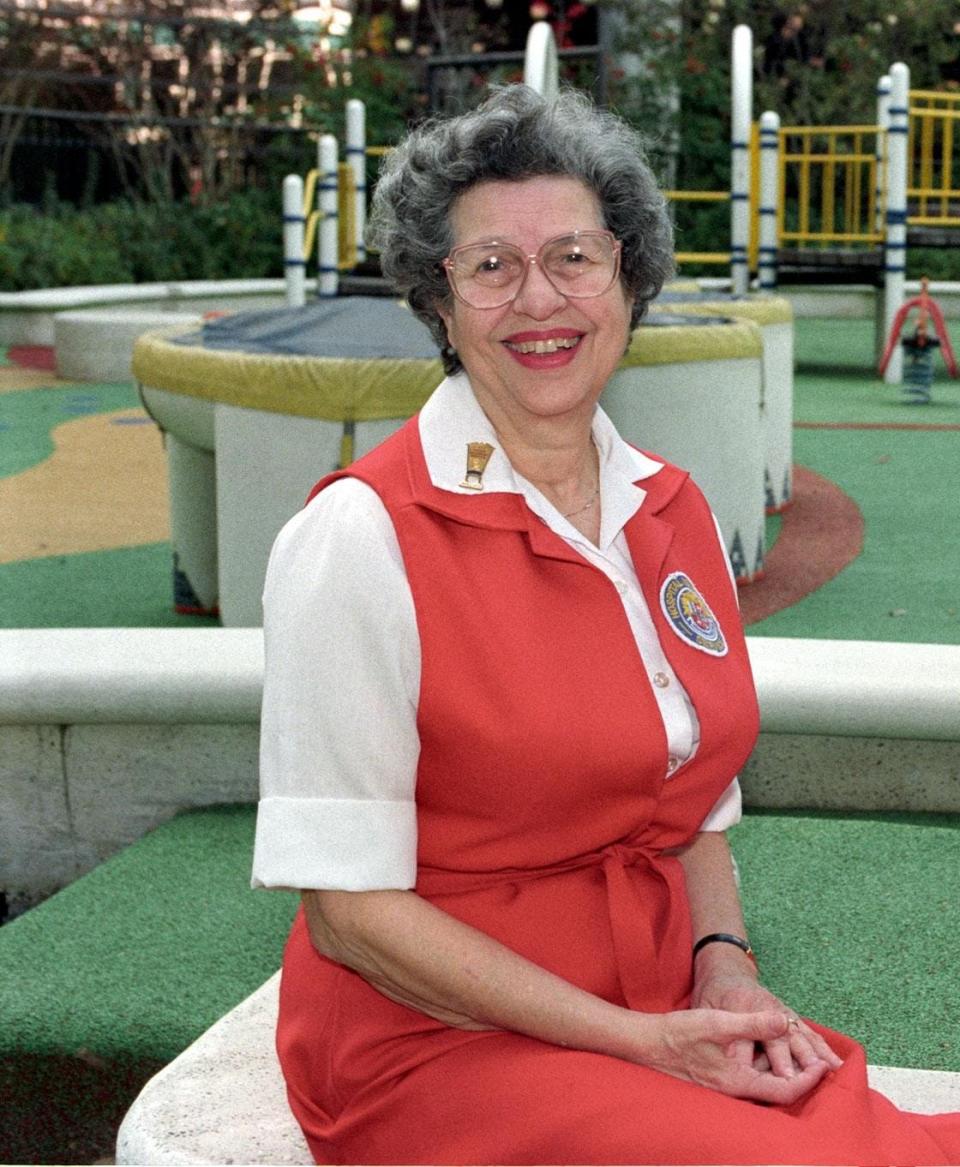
[(895, 269), (896, 217), (294, 219), (734, 145), (739, 196), (294, 263)]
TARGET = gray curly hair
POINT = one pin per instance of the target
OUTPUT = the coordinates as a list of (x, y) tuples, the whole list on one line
[(515, 134)]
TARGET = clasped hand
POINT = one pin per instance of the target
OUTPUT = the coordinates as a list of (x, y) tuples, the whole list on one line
[(738, 1038)]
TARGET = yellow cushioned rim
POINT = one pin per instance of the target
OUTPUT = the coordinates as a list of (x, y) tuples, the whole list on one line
[(378, 388), (671, 344), (329, 388), (761, 309)]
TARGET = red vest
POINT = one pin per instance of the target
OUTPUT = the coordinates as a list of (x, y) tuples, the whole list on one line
[(541, 739), (529, 665)]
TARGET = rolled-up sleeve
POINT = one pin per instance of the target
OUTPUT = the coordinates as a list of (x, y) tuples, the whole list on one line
[(338, 740), (727, 810)]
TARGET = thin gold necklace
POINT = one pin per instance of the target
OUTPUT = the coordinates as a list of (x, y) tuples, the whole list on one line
[(586, 506)]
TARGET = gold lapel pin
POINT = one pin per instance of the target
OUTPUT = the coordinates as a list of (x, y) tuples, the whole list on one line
[(478, 455)]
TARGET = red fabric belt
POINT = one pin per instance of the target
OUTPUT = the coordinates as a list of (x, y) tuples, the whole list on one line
[(635, 880)]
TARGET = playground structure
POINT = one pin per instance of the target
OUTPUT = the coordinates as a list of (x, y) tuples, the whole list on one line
[(808, 204)]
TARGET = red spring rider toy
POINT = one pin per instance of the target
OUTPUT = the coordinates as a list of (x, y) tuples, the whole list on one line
[(919, 348)]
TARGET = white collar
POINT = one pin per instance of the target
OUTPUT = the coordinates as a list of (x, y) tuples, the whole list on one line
[(452, 417)]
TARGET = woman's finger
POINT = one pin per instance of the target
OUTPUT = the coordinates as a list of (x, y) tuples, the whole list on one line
[(807, 1046), (780, 1055), (821, 1047), (766, 1087)]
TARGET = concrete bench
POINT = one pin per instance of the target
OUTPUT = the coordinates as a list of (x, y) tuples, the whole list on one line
[(106, 733), (96, 344), (223, 1099)]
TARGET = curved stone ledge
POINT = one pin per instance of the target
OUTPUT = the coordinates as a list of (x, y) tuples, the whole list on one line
[(54, 676), (200, 675), (858, 688), (106, 733), (28, 317)]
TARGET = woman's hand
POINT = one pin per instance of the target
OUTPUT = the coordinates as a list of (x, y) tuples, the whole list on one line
[(797, 1049), (707, 1046)]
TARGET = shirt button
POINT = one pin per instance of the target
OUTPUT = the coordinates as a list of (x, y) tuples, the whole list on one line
[(672, 764), (620, 586), (661, 680)]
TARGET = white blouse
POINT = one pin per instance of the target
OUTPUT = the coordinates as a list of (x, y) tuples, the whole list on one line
[(338, 738)]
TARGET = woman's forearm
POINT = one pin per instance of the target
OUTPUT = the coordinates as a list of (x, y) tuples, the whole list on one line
[(714, 901), (417, 954)]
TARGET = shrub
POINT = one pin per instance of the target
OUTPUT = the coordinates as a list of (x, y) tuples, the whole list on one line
[(124, 242)]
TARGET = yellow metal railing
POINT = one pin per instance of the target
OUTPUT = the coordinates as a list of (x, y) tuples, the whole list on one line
[(699, 196), (346, 211), (723, 196), (933, 166), (829, 173)]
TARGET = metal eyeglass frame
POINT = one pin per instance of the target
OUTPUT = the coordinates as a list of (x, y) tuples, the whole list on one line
[(528, 261)]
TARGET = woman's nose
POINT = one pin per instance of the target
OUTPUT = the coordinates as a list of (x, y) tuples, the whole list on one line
[(537, 298)]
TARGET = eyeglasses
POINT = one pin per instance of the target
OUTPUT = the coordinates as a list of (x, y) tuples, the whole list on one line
[(489, 275)]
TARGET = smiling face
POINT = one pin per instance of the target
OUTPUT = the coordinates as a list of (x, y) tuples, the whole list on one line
[(543, 355)]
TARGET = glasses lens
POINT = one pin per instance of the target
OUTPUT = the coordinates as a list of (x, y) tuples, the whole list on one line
[(580, 265), (488, 274)]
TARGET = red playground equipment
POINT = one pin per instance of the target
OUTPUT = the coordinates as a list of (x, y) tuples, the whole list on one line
[(918, 366)]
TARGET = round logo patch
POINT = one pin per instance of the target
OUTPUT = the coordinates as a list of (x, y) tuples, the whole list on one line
[(690, 616)]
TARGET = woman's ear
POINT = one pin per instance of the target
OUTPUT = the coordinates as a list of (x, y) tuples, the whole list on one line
[(445, 312)]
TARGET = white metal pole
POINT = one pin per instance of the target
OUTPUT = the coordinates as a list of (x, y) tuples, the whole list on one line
[(769, 198), (880, 209), (895, 250), (880, 151), (742, 98), (540, 68), (328, 252), (357, 159), (294, 265)]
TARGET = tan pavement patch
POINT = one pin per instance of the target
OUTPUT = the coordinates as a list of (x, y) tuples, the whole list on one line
[(14, 378), (104, 486)]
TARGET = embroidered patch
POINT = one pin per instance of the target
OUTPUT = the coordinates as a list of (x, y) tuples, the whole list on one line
[(689, 615)]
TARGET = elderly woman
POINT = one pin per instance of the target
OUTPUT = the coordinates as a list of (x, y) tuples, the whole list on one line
[(507, 696)]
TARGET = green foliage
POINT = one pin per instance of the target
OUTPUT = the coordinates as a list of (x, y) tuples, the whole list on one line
[(122, 242), (671, 78)]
